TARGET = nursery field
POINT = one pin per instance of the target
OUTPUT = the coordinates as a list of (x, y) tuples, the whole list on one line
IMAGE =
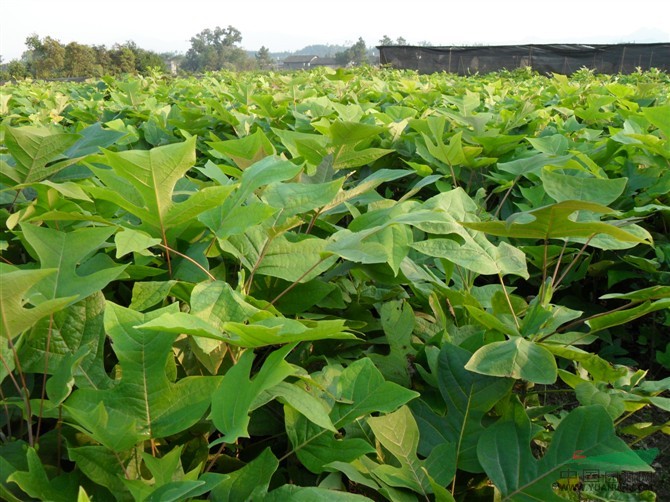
[(346, 285)]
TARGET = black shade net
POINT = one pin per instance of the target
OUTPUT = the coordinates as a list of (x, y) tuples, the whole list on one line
[(554, 58)]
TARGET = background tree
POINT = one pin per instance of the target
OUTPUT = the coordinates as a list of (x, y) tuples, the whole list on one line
[(215, 50), (47, 56), (359, 52), (80, 60), (17, 70), (103, 60), (386, 40), (356, 54), (263, 58), (145, 60), (123, 59)]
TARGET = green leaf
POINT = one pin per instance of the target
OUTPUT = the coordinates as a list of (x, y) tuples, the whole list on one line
[(133, 241), (100, 465), (36, 484), (295, 141), (316, 447), (68, 189), (531, 165), (142, 182), (244, 151), (562, 187), (14, 288), (144, 403), (554, 222), (150, 174), (196, 204), (146, 294), (652, 293), (556, 144), (493, 322), (296, 259), (92, 139), (365, 391), (348, 133), (397, 320), (598, 367), (351, 470), (515, 358), (36, 151), (69, 252), (620, 317), (264, 172), (13, 458), (269, 331), (658, 116), (312, 408), (296, 198), (477, 255), (468, 397), (60, 385), (177, 491), (585, 439), (588, 394), (311, 494), (82, 496), (278, 330), (399, 434), (451, 154), (251, 482), (164, 468), (233, 399), (241, 218), (350, 158), (368, 184), (354, 246)]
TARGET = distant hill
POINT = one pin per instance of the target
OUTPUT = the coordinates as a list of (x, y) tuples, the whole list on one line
[(320, 50)]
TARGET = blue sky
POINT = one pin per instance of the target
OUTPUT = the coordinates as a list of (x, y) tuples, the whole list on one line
[(167, 25)]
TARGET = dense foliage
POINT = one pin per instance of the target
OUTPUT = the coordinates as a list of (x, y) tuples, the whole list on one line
[(48, 58), (334, 286)]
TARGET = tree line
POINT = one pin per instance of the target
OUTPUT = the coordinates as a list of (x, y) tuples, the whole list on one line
[(210, 50), (48, 58)]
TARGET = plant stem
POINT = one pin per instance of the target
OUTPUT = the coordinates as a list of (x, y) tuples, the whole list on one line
[(167, 253), (572, 263), (625, 417), (581, 321), (509, 302), (312, 221), (502, 202), (297, 281), (4, 404), (188, 258), (215, 457), (22, 389), (544, 271), (558, 264), (44, 379)]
